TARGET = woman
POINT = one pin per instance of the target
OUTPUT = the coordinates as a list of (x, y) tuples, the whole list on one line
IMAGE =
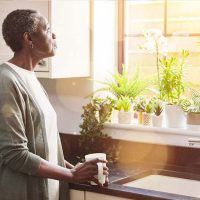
[(32, 166)]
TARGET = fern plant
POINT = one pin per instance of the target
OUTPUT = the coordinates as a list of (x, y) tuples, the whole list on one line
[(121, 85)]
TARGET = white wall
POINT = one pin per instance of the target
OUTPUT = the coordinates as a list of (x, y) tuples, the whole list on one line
[(68, 95)]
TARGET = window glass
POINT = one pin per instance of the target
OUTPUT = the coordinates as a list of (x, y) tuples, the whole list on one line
[(178, 21)]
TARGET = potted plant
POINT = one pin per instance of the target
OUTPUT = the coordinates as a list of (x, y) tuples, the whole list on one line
[(156, 44), (147, 114), (172, 87), (125, 114), (92, 138), (139, 106), (192, 107), (123, 85), (157, 117)]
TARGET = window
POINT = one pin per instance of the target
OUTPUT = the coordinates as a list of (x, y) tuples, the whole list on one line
[(179, 21)]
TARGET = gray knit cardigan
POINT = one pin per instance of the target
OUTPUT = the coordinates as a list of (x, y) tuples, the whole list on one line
[(23, 142)]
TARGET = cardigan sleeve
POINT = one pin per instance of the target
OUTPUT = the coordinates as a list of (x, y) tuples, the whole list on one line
[(14, 152)]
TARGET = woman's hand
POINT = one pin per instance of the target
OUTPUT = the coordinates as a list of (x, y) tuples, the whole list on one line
[(107, 181), (86, 171), (68, 165)]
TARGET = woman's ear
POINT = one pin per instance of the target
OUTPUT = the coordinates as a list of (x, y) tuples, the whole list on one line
[(28, 40)]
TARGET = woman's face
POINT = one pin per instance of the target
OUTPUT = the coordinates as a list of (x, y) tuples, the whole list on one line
[(44, 43)]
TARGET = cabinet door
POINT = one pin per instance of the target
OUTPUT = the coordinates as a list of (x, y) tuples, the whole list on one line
[(8, 6), (76, 195), (70, 21), (96, 196)]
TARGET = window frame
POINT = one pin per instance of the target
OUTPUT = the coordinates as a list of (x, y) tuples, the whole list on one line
[(122, 35)]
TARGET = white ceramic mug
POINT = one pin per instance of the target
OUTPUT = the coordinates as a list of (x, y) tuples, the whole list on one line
[(101, 177)]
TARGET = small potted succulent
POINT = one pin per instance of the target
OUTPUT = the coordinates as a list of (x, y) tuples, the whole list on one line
[(157, 117), (192, 107), (147, 114), (124, 106), (139, 107)]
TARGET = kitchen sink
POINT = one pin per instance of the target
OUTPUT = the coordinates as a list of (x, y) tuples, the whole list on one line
[(173, 182)]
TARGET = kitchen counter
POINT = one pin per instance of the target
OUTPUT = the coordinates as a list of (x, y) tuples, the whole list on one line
[(134, 157), (118, 172)]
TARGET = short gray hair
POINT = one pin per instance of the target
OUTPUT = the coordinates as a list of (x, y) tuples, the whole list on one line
[(16, 24)]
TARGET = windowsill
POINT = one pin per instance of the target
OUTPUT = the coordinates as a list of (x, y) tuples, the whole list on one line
[(157, 135)]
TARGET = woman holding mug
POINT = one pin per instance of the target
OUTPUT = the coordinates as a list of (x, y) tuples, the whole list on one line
[(32, 166)]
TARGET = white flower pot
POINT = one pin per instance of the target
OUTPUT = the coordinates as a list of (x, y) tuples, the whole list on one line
[(114, 118), (175, 117), (147, 119), (125, 117), (157, 121)]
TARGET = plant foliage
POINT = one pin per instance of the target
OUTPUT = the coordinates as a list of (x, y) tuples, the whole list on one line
[(149, 107), (193, 104), (121, 85), (92, 138), (172, 84), (140, 104), (123, 103), (157, 106)]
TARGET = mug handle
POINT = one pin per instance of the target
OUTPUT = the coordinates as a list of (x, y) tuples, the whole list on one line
[(101, 177)]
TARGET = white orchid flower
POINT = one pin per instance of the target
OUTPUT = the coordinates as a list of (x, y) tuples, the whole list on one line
[(153, 34), (162, 45), (149, 46), (155, 42)]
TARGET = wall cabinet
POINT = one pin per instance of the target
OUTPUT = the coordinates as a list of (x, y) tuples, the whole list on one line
[(70, 20)]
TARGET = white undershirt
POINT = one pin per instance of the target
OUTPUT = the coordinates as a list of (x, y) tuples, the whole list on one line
[(50, 117)]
